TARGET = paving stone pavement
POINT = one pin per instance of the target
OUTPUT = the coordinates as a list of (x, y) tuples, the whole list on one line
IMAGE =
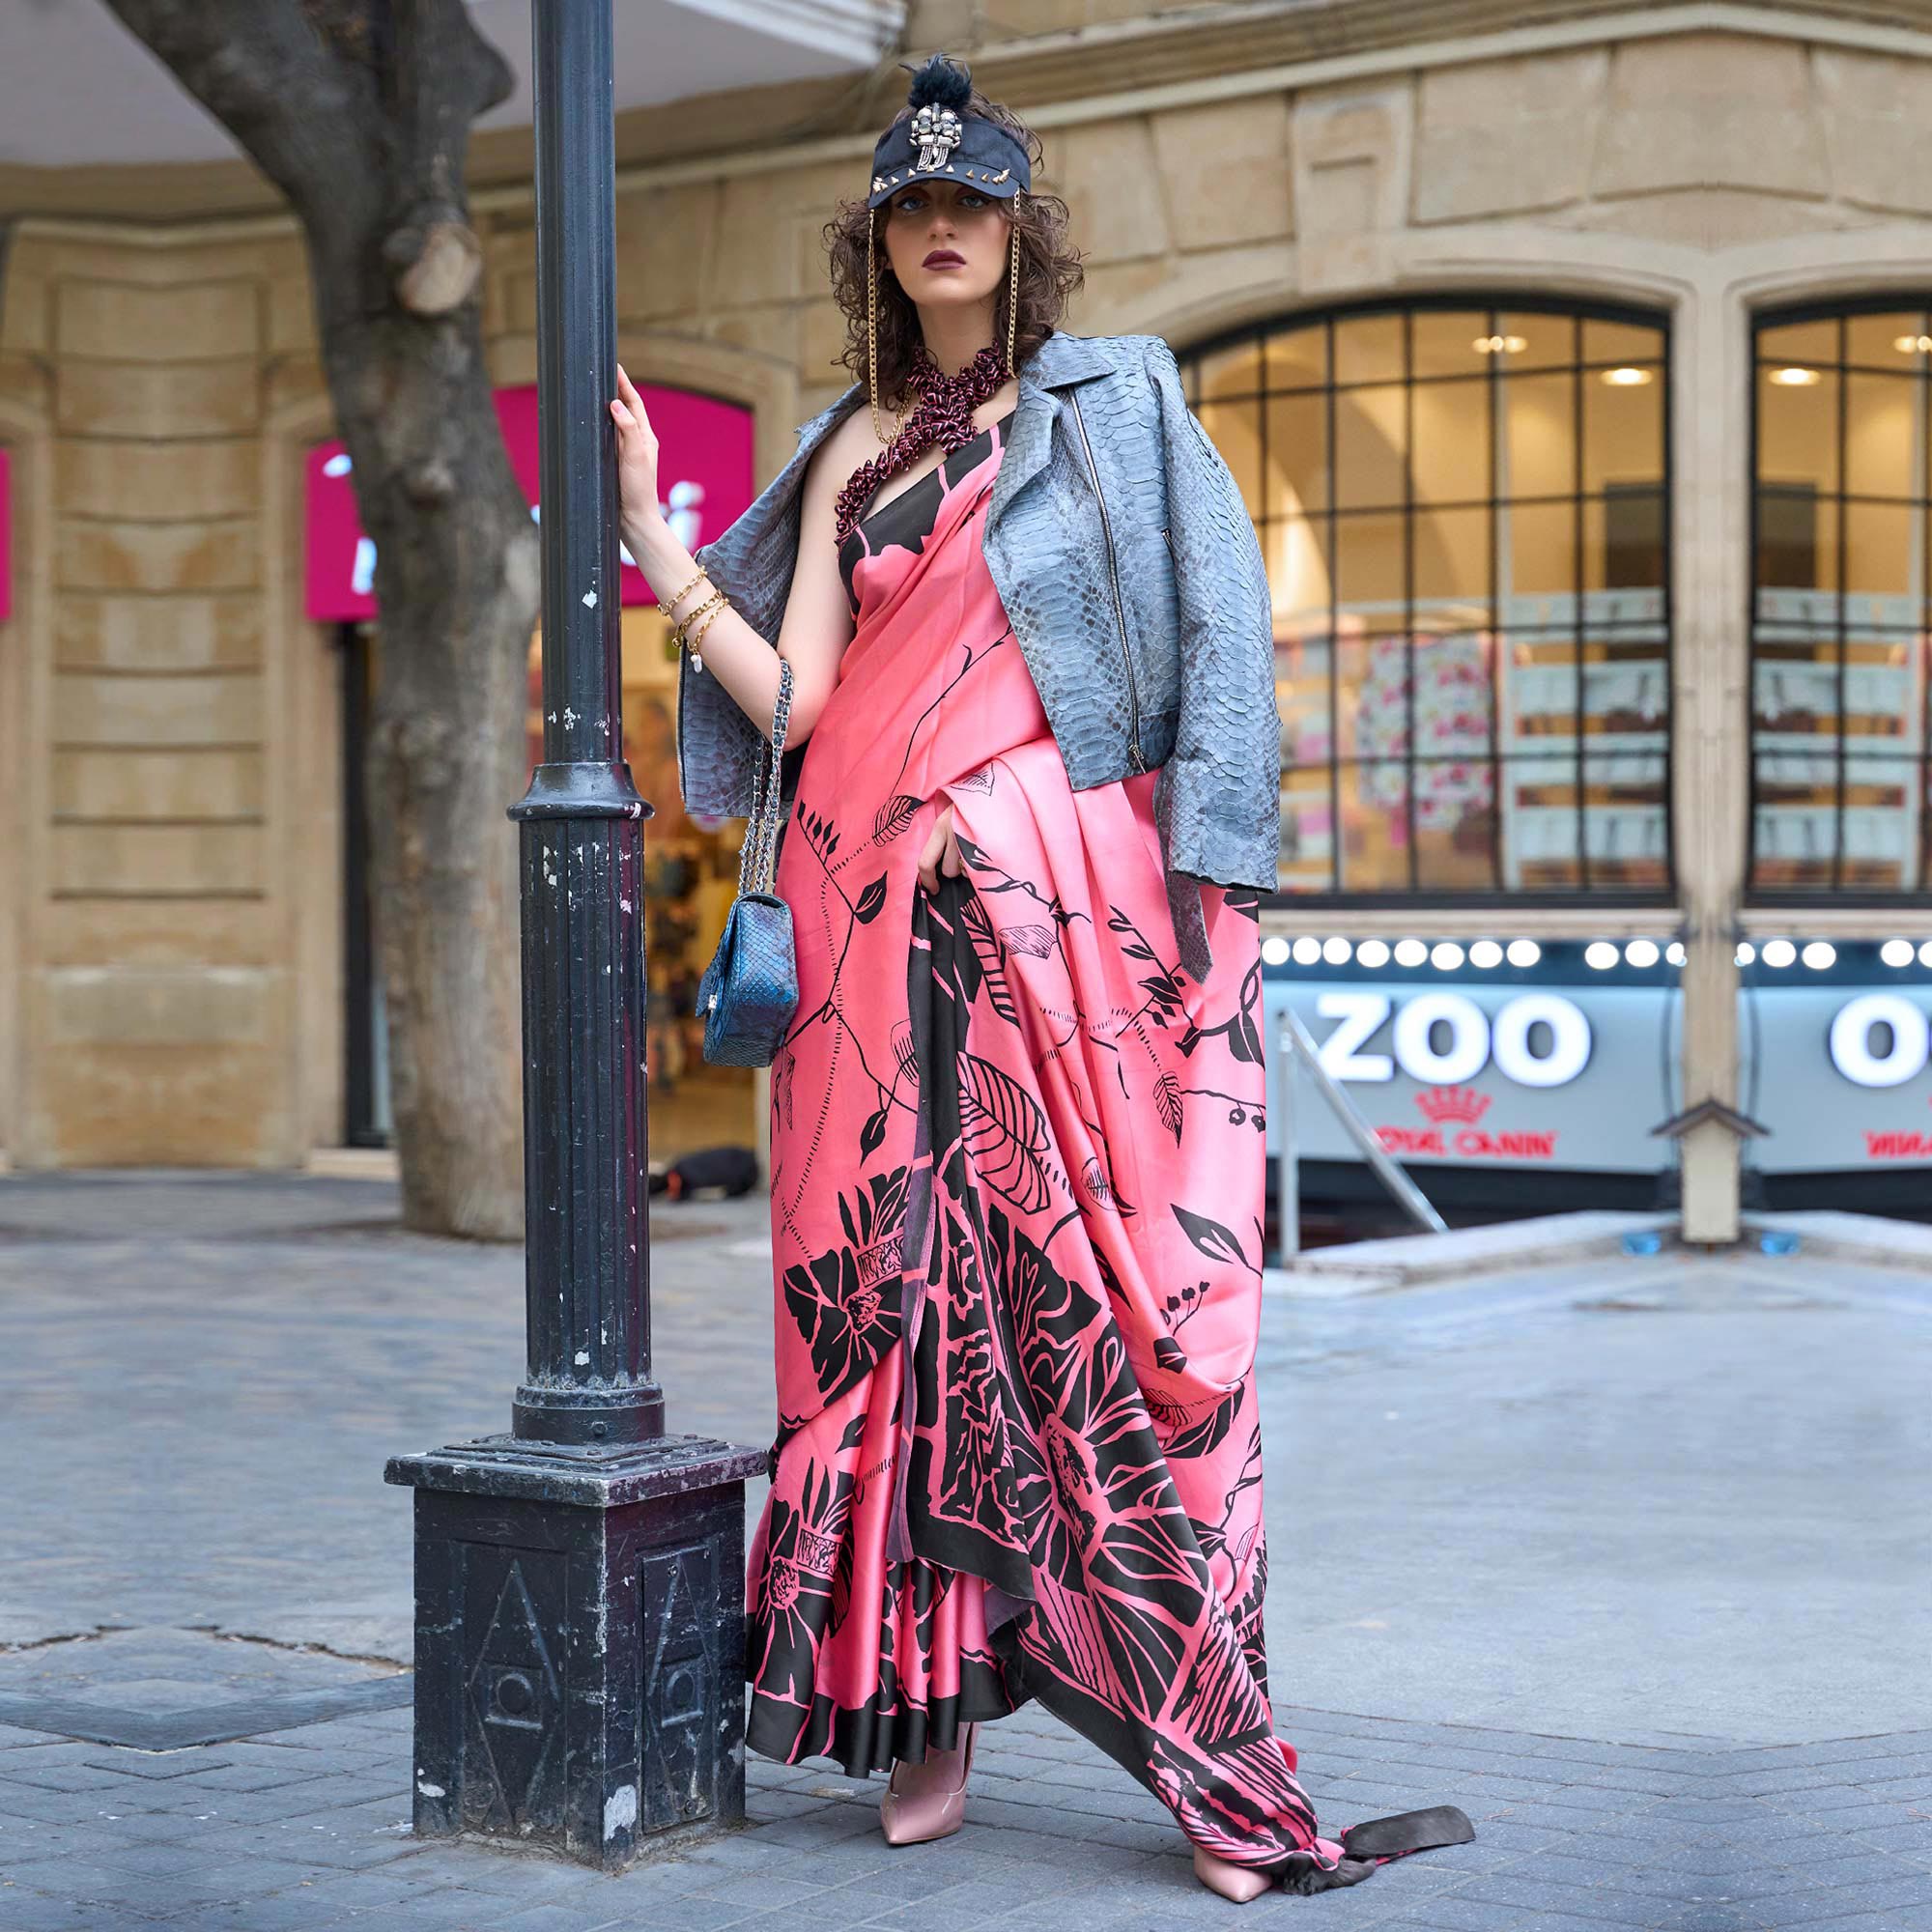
[(1677, 1506), (306, 1831)]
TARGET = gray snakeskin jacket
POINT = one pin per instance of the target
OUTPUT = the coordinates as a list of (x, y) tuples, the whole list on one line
[(1126, 562)]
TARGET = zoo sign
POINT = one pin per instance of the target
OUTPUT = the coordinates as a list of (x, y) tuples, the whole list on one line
[(1880, 1040), (1443, 1042), (1480, 1075), (1536, 1040), (1575, 1075)]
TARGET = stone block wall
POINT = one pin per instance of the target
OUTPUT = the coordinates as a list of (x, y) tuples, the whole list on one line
[(152, 971)]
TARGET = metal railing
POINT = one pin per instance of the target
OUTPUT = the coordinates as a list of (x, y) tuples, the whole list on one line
[(1295, 1044)]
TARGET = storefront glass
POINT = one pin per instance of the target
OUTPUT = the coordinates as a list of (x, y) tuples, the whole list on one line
[(1838, 612), (690, 863), (691, 876), (1463, 511)]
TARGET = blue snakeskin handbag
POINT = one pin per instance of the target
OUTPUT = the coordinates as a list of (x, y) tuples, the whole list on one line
[(748, 993)]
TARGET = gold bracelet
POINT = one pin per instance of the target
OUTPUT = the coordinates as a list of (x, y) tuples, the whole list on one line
[(670, 609), (716, 598), (680, 633), (711, 617)]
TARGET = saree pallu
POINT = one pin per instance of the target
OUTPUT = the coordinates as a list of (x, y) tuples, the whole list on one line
[(1017, 1192)]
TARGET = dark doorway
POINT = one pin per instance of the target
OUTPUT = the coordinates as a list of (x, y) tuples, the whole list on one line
[(366, 1120)]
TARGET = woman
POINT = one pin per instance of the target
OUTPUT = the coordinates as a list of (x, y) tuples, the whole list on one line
[(1017, 1174)]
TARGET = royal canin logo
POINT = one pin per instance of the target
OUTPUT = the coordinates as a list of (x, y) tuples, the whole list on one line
[(1453, 1103)]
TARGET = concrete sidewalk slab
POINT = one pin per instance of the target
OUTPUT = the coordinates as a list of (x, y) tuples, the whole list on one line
[(1874, 1239), (1547, 1240)]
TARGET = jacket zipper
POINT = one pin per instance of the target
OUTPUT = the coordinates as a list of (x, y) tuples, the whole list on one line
[(1114, 577)]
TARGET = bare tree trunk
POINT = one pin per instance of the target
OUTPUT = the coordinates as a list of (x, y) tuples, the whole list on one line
[(359, 111)]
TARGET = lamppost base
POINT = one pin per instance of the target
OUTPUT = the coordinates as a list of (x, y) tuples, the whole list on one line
[(580, 1641)]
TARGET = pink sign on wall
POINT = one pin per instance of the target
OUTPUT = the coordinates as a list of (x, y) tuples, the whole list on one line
[(705, 476), (6, 543)]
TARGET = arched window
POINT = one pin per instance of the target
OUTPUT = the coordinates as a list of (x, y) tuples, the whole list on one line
[(1464, 511), (1838, 603)]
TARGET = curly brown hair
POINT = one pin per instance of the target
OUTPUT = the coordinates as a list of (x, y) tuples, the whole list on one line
[(1050, 272)]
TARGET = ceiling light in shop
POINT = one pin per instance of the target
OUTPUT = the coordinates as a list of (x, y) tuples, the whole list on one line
[(1819, 957), (1794, 378), (1485, 954), (1897, 952), (1674, 953), (1336, 951), (1499, 345), (1274, 950), (1411, 952), (1779, 952), (1445, 956), (1626, 379), (1641, 952), (1926, 953), (1747, 952), (1307, 951), (1912, 345), (1601, 954), (1372, 953), (1524, 952)]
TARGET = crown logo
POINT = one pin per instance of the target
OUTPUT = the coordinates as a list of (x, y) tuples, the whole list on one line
[(1453, 1103), (938, 130)]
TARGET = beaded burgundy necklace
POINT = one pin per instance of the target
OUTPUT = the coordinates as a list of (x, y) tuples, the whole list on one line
[(943, 415)]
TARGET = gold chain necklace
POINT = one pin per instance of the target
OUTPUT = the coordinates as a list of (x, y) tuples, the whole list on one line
[(905, 410), (911, 395)]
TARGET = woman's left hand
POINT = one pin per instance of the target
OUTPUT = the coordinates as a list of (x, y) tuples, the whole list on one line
[(941, 854)]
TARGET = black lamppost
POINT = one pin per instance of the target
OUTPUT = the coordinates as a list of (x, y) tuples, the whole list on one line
[(578, 1582)]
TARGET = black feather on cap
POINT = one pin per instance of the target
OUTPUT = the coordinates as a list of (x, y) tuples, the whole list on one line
[(942, 82)]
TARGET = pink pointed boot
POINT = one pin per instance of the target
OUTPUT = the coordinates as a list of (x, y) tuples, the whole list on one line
[(928, 1799)]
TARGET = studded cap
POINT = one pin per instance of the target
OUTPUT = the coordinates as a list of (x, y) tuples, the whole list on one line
[(943, 140)]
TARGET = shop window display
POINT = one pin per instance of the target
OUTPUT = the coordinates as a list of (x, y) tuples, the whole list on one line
[(1839, 618), (1463, 512), (691, 876)]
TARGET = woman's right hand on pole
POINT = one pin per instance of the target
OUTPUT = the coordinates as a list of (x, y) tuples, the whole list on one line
[(637, 502)]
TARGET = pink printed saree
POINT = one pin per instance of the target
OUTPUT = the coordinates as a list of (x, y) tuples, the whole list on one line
[(1017, 1190)]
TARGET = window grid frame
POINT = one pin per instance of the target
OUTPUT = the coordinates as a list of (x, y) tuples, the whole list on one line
[(1841, 312), (1493, 307)]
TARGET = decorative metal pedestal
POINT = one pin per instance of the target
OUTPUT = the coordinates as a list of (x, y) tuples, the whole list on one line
[(580, 1641)]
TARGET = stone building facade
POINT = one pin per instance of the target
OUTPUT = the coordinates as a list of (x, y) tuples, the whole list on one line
[(171, 909)]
